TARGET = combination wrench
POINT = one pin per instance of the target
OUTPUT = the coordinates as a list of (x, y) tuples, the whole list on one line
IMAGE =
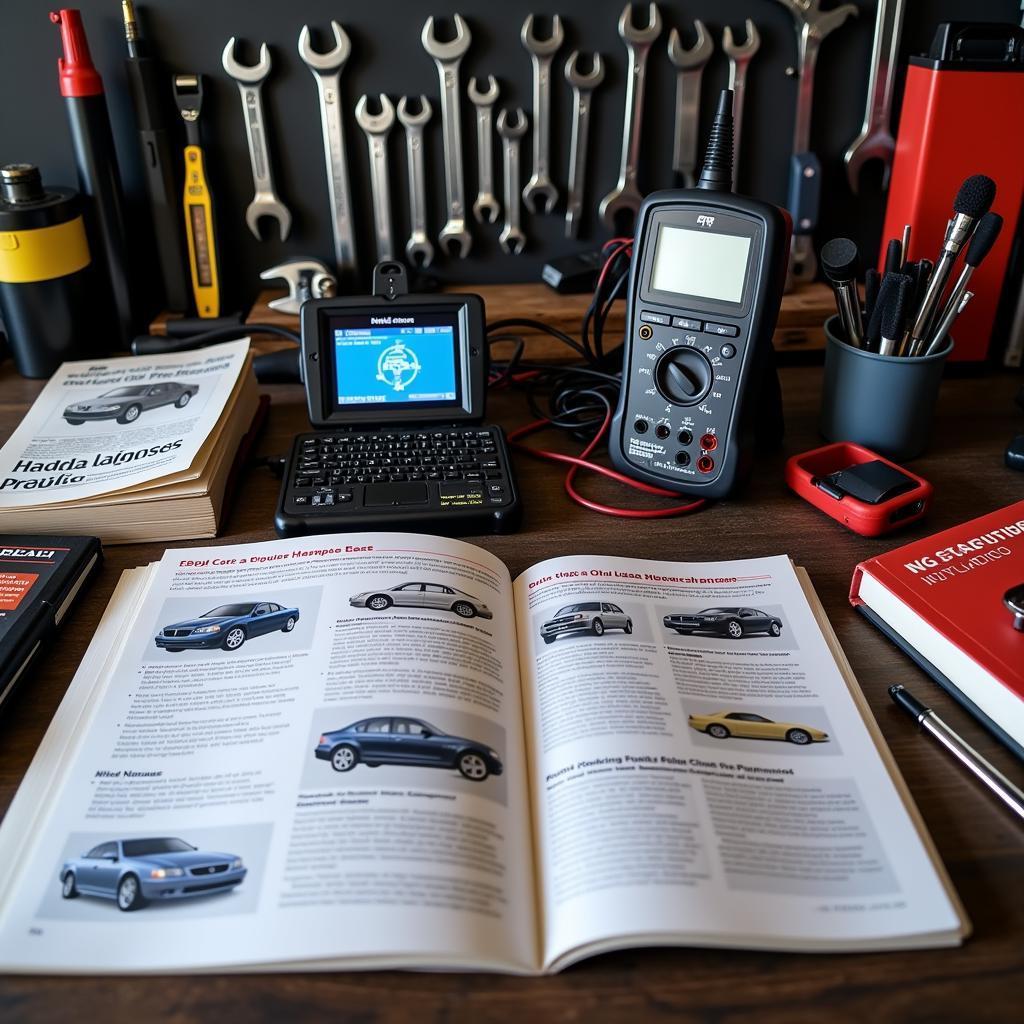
[(265, 202), (486, 206), (542, 53), (625, 197), (583, 87), (376, 128), (812, 26), (689, 65), (739, 59), (512, 239), (875, 141), (454, 237), (418, 249), (327, 68)]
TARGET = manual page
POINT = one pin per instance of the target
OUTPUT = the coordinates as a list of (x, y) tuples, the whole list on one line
[(299, 753), (701, 771), (106, 425)]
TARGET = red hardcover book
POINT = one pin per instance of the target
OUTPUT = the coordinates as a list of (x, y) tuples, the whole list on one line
[(940, 599)]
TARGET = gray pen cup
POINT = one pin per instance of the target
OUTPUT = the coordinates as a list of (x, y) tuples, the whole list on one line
[(885, 403)]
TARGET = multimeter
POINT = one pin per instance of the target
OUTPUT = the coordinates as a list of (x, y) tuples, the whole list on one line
[(705, 286)]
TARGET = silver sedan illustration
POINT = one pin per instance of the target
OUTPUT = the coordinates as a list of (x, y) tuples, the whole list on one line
[(592, 617), (423, 595)]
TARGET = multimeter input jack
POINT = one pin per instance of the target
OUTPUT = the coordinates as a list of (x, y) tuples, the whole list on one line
[(646, 332), (705, 463)]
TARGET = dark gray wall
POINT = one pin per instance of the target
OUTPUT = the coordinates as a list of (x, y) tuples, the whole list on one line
[(387, 57)]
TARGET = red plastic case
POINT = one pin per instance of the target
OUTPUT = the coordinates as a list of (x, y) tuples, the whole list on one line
[(860, 516)]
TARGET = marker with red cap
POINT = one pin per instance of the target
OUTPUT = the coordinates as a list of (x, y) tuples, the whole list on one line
[(96, 162)]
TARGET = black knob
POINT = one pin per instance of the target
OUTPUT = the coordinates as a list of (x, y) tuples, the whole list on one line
[(683, 376)]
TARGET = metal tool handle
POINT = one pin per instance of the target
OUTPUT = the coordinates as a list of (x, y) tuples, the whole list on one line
[(451, 127), (884, 60), (338, 190), (541, 114), (684, 146), (577, 158), (256, 133), (511, 164), (636, 77), (485, 155), (809, 47), (417, 187), (738, 84), (379, 186)]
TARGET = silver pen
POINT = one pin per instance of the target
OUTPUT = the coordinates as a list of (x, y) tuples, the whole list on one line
[(960, 749)]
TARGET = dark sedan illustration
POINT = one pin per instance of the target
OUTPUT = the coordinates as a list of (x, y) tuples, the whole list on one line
[(423, 595), (227, 626), (376, 741), (126, 404), (135, 872), (734, 623)]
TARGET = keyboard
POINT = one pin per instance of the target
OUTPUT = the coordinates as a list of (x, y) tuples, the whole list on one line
[(452, 481)]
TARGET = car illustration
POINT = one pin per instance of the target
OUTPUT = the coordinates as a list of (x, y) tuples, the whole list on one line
[(227, 626), (423, 595), (412, 741), (734, 623), (594, 617), (723, 724), (126, 404), (135, 872)]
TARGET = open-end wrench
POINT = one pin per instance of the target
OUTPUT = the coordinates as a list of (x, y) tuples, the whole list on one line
[(875, 141), (739, 58), (418, 249), (626, 195), (689, 64), (454, 237), (812, 26), (582, 88), (250, 86), (512, 239), (376, 128), (327, 68), (486, 206), (542, 53)]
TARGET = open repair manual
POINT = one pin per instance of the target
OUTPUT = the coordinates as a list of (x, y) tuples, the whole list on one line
[(379, 751)]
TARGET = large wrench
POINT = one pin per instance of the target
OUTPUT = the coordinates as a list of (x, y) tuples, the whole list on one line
[(418, 249), (739, 58), (512, 239), (486, 206), (812, 26), (454, 237), (327, 68), (250, 87), (689, 66), (626, 195), (376, 128), (542, 52), (582, 88), (875, 141)]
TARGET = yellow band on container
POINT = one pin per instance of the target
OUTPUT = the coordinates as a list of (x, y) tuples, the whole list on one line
[(41, 254)]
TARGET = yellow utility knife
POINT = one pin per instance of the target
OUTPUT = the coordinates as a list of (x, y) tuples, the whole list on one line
[(198, 201)]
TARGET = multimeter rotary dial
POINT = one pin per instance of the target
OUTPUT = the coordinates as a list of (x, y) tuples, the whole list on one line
[(683, 376)]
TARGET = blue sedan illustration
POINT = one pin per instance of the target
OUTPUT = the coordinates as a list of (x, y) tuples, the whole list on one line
[(376, 741), (135, 872), (227, 626)]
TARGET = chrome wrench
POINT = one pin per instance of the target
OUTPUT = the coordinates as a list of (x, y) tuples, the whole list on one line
[(542, 53), (875, 141), (454, 237), (583, 87), (265, 202), (689, 64), (739, 59), (626, 195), (376, 128), (418, 249), (512, 239), (812, 26), (327, 68), (486, 206)]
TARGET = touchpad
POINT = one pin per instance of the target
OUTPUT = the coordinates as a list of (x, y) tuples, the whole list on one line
[(395, 494)]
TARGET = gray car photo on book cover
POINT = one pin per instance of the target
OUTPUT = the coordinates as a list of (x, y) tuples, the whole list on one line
[(127, 404)]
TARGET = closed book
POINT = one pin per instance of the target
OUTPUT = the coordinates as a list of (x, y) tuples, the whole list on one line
[(40, 578), (941, 600)]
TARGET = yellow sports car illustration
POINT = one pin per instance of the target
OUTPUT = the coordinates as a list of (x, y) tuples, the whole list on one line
[(723, 724)]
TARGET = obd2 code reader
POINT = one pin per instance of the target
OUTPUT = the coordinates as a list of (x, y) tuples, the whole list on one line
[(396, 386)]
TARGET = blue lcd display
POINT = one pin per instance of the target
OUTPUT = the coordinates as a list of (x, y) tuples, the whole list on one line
[(395, 365)]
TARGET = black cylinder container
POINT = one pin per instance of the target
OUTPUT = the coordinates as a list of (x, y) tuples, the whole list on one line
[(46, 277)]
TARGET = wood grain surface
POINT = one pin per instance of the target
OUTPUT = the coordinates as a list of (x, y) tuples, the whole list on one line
[(981, 843)]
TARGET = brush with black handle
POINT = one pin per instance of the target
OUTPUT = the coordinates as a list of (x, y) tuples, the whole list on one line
[(840, 261), (873, 332), (893, 319)]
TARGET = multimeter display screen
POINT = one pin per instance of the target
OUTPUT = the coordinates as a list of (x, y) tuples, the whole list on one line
[(395, 360), (700, 263)]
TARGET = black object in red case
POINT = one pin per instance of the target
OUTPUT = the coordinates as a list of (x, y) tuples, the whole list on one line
[(859, 488)]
